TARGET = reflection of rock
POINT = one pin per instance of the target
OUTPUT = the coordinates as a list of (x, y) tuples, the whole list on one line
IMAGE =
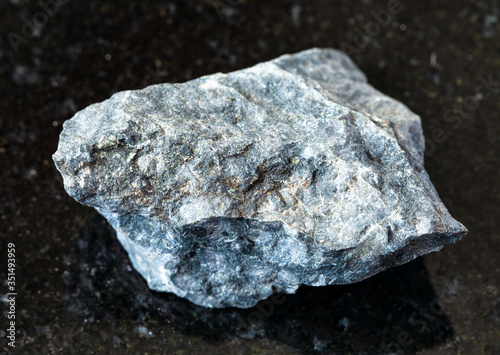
[(364, 317), (228, 187)]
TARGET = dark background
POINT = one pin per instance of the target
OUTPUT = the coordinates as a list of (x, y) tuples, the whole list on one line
[(77, 291)]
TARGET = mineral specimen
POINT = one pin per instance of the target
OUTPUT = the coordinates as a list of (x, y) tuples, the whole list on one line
[(232, 186)]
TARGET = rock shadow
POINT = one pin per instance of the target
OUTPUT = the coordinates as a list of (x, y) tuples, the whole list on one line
[(394, 311)]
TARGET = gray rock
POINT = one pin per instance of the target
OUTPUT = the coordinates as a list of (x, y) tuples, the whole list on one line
[(232, 186)]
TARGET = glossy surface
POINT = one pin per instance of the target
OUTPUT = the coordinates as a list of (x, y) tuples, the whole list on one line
[(76, 293)]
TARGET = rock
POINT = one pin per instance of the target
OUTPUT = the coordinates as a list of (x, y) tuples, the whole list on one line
[(232, 186)]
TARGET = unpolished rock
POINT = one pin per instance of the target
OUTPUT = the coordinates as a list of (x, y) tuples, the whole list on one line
[(232, 186)]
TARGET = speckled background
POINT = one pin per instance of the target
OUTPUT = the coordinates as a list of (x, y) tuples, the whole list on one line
[(77, 291)]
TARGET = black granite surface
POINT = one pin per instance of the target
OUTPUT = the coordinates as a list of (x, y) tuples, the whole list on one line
[(76, 290)]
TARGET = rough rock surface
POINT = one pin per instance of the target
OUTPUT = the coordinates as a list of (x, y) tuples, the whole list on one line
[(231, 186)]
